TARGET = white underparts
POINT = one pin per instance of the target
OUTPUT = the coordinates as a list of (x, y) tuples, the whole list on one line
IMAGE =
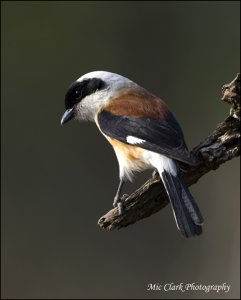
[(148, 160), (161, 162), (134, 141), (128, 167)]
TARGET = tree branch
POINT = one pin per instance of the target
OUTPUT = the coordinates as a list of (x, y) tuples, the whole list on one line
[(219, 147)]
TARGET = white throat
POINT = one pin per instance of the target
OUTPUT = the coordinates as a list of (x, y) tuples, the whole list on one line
[(89, 107)]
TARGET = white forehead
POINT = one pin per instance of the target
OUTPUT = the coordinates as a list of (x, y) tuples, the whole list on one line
[(108, 77)]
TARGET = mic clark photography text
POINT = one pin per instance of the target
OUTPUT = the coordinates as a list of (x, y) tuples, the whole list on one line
[(187, 287)]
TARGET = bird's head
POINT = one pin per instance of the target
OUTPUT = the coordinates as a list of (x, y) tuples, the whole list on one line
[(91, 92)]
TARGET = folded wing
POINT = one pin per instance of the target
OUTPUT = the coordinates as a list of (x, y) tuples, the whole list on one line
[(158, 134)]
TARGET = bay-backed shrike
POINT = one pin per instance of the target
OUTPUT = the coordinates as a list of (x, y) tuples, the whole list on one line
[(144, 134)]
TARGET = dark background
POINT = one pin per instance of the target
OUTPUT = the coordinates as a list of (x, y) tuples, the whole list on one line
[(57, 181)]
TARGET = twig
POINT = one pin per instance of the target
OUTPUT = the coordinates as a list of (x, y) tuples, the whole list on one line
[(219, 147)]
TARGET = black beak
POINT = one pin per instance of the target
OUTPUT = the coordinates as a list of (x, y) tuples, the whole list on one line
[(68, 115)]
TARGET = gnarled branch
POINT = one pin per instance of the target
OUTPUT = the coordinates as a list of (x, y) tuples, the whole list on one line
[(219, 147)]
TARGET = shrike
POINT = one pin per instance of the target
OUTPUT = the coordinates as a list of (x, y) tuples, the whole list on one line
[(144, 134)]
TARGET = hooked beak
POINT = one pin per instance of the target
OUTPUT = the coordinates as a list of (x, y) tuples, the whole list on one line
[(67, 116)]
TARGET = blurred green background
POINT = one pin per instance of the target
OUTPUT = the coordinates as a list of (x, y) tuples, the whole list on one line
[(57, 181)]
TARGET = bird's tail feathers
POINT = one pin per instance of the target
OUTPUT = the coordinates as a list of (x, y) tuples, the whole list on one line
[(188, 217)]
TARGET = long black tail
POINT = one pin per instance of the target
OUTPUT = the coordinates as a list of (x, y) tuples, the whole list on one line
[(187, 214)]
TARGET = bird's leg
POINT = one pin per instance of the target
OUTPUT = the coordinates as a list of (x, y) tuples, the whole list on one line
[(118, 201), (117, 196)]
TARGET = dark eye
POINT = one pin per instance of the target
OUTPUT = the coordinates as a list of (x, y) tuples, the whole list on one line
[(77, 94)]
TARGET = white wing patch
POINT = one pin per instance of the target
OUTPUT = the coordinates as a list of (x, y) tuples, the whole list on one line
[(133, 140)]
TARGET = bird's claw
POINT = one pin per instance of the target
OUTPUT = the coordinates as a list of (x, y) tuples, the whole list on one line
[(119, 202), (155, 173)]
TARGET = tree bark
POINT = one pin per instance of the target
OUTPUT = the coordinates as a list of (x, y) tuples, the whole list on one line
[(219, 147)]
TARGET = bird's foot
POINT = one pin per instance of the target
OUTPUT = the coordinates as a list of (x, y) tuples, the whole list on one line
[(119, 202), (155, 173)]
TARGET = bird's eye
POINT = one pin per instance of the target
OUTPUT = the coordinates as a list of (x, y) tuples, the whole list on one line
[(77, 94)]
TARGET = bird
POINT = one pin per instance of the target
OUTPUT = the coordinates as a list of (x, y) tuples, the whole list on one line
[(144, 134)]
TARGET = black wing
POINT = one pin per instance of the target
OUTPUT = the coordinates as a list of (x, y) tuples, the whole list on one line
[(160, 136)]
